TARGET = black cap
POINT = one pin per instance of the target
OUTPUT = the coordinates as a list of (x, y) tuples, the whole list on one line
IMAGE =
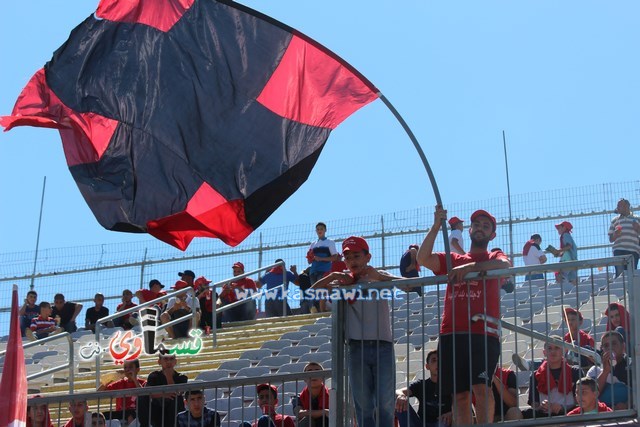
[(155, 282), (187, 273)]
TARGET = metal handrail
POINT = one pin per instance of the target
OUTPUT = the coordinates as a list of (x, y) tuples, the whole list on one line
[(70, 362), (220, 284)]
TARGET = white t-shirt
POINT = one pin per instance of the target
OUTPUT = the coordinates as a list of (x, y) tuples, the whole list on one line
[(533, 257), (172, 302), (456, 234)]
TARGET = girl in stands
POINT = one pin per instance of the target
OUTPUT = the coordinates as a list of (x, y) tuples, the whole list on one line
[(38, 416)]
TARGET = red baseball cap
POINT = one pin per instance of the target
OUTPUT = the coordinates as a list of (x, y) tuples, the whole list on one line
[(454, 220), (568, 310), (201, 281), (565, 224), (481, 212), (265, 386), (238, 264), (355, 244), (180, 284)]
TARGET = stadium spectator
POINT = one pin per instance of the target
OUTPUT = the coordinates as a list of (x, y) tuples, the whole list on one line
[(469, 298), (67, 311), (307, 303), (96, 312), (177, 307), (551, 385), (43, 325), (98, 420), (434, 409), (164, 406), (568, 252), (456, 241), (505, 394), (28, 311), (268, 402), (125, 322), (38, 415), (197, 414), (80, 416), (207, 297), (125, 406), (324, 305), (272, 279), (613, 377), (532, 254), (587, 398), (321, 253), (312, 406), (231, 291), (618, 320), (154, 291), (409, 267), (624, 233), (371, 363), (187, 278), (577, 336)]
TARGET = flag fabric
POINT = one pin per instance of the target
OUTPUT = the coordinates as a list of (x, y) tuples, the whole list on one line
[(189, 118), (13, 386)]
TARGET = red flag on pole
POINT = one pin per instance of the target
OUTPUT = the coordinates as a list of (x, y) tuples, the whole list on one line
[(13, 386)]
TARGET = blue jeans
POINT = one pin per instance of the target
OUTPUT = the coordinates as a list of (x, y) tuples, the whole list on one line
[(372, 378)]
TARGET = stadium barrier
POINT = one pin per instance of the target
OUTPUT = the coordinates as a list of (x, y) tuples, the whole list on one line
[(532, 313)]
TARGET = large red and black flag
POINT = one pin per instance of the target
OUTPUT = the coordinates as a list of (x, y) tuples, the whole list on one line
[(189, 118)]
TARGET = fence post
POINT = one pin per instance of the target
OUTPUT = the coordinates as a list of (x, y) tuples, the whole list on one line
[(144, 261), (337, 394), (384, 263), (635, 302)]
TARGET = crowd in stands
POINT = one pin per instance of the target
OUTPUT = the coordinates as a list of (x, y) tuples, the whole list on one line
[(466, 383)]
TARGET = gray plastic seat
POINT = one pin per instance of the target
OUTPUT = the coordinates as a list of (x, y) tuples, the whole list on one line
[(255, 355), (253, 371), (314, 342), (213, 375), (315, 357), (292, 368), (294, 336), (295, 352), (275, 361), (234, 365), (276, 345)]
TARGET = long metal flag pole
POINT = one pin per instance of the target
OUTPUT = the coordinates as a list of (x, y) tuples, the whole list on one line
[(35, 258), (425, 163), (506, 166)]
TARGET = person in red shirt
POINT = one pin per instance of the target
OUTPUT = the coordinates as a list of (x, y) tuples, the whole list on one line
[(466, 298), (312, 406), (80, 417), (587, 398), (268, 401), (125, 406), (574, 320), (125, 321), (243, 288), (154, 291)]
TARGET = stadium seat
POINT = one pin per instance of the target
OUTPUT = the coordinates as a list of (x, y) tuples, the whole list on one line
[(315, 357), (226, 404), (253, 371), (313, 329), (326, 332), (291, 368), (275, 361), (249, 413), (213, 375), (416, 340), (324, 347), (295, 352), (294, 336), (324, 321), (314, 342), (233, 366), (276, 345), (255, 355), (42, 354)]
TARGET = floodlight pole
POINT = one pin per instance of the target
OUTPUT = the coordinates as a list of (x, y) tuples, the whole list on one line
[(35, 257), (425, 163)]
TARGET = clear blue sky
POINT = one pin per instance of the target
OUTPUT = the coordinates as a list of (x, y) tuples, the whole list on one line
[(560, 77)]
